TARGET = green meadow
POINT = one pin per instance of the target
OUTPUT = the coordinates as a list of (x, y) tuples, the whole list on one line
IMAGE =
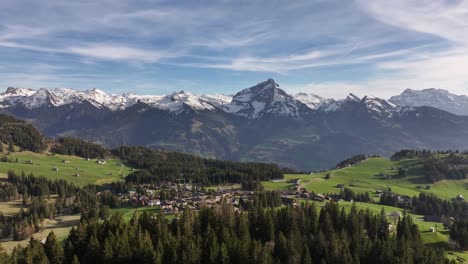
[(373, 174), (68, 168)]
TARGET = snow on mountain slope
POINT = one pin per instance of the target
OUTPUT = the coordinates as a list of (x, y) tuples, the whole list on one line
[(175, 101), (334, 105), (438, 98), (14, 95), (62, 96), (311, 100), (370, 103), (265, 98), (380, 106)]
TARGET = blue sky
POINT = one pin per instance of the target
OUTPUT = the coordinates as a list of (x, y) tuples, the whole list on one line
[(326, 47)]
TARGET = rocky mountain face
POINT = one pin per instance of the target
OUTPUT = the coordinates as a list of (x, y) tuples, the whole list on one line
[(260, 123), (438, 98), (266, 99)]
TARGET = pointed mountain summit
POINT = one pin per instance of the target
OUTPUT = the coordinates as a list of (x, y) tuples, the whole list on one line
[(266, 98)]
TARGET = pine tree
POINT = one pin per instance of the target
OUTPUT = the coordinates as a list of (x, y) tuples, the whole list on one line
[(11, 148), (104, 212), (4, 256), (306, 258), (52, 249), (75, 260), (68, 252)]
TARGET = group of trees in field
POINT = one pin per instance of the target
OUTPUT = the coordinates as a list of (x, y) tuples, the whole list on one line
[(413, 153), (157, 166), (78, 147), (459, 233), (436, 169), (453, 165), (428, 204), (221, 235), (36, 191), (26, 222), (348, 194), (351, 161), (17, 132)]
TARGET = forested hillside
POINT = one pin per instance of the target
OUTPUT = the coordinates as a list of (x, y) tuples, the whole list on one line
[(157, 166), (17, 132), (78, 147)]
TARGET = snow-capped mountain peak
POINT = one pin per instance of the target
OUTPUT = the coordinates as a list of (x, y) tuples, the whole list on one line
[(378, 105), (63, 96), (352, 97), (313, 101), (265, 98), (438, 98), (12, 91)]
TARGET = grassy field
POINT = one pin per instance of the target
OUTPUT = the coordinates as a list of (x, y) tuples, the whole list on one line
[(11, 208), (43, 165), (128, 212), (366, 177)]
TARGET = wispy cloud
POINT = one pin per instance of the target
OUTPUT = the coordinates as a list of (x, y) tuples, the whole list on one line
[(116, 52), (101, 51), (359, 45)]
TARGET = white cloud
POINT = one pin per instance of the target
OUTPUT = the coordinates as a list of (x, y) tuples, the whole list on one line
[(117, 52)]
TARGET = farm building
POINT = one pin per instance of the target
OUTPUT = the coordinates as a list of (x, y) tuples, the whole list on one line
[(394, 214)]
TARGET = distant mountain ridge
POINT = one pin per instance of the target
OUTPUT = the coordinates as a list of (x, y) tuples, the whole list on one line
[(265, 98), (438, 98), (259, 123)]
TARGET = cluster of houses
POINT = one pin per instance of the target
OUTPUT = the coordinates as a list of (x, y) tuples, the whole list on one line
[(184, 196), (296, 191)]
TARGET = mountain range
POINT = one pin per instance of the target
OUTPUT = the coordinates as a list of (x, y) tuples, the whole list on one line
[(442, 99), (260, 123)]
